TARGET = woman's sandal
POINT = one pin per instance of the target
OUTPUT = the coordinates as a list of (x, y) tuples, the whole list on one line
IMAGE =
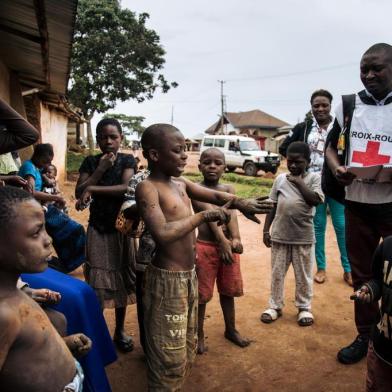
[(305, 318), (124, 344), (270, 315)]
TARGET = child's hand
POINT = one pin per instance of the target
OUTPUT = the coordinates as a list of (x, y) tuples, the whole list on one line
[(362, 295), (45, 296), (225, 252), (60, 201), (236, 246), (296, 180), (79, 344), (85, 199), (107, 161), (267, 239), (250, 207), (221, 215)]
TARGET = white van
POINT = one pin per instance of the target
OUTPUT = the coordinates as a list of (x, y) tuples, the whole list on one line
[(243, 152)]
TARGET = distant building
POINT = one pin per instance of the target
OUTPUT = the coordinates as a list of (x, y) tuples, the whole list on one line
[(255, 123), (35, 49), (194, 143)]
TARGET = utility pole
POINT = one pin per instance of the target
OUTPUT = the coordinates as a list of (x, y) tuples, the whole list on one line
[(172, 115), (222, 104)]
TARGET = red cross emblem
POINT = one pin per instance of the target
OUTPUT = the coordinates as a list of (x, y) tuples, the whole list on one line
[(370, 156)]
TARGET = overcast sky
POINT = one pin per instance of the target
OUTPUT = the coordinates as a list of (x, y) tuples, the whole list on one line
[(272, 55)]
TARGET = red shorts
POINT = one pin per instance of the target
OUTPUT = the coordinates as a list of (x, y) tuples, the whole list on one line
[(210, 267)]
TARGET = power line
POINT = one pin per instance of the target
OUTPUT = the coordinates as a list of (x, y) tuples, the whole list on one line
[(316, 70)]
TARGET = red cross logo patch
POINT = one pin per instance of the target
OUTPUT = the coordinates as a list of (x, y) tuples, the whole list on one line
[(371, 156)]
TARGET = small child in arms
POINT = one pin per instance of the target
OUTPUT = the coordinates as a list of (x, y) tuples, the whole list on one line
[(170, 296), (218, 249), (49, 175), (379, 357), (33, 356), (292, 235)]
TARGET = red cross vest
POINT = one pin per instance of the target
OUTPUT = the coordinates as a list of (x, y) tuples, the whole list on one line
[(370, 144)]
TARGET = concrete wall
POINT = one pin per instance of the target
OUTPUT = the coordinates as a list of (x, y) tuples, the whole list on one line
[(54, 131), (4, 82)]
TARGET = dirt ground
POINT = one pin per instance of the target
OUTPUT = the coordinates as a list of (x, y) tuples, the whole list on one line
[(283, 356)]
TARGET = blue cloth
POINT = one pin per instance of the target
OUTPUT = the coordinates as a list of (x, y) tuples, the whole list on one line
[(80, 306), (320, 225), (69, 238), (29, 169)]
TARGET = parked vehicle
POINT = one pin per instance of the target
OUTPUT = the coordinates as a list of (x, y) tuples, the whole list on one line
[(242, 152)]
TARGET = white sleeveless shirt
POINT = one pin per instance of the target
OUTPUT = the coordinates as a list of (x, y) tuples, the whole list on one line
[(370, 144)]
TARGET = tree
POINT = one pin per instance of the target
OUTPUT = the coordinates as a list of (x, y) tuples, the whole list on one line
[(115, 57), (308, 116), (129, 124)]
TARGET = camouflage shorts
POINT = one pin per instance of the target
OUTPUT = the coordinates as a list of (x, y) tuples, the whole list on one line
[(170, 302)]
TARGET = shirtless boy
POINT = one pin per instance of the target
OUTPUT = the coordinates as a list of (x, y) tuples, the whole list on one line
[(33, 356), (170, 285), (218, 250)]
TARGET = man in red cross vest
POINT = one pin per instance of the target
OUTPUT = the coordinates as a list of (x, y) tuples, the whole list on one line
[(368, 205)]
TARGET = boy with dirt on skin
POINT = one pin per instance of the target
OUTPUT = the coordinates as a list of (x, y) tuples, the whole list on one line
[(33, 356), (217, 250), (170, 297)]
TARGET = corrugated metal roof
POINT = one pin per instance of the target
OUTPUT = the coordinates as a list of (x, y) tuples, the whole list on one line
[(21, 39)]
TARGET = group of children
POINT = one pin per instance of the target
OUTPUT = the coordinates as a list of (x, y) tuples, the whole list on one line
[(175, 272)]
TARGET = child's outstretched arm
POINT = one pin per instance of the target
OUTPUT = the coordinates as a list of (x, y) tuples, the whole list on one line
[(312, 196), (19, 133), (147, 200), (249, 207)]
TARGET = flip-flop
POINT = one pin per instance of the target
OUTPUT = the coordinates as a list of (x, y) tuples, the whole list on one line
[(125, 345), (305, 318), (270, 315)]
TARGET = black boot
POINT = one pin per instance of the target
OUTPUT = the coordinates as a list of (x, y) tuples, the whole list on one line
[(355, 351)]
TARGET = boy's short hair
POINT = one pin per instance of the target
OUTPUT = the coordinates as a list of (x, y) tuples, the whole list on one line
[(108, 121), (380, 47), (154, 136), (10, 197), (212, 149), (299, 148), (321, 93), (43, 150)]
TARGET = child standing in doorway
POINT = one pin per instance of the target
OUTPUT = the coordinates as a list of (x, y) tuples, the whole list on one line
[(103, 181), (292, 236), (217, 250)]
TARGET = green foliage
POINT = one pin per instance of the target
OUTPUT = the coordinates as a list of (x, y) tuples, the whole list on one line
[(308, 116), (115, 57), (244, 186), (129, 124), (74, 160)]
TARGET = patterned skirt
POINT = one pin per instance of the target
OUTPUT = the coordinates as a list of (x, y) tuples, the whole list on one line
[(110, 268)]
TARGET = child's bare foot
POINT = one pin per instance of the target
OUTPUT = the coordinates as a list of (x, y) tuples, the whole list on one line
[(235, 337), (201, 346), (123, 342)]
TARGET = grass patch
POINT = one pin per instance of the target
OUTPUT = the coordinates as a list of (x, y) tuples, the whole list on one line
[(74, 160), (244, 186)]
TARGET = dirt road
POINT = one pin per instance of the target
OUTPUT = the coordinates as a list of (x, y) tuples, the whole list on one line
[(283, 356)]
